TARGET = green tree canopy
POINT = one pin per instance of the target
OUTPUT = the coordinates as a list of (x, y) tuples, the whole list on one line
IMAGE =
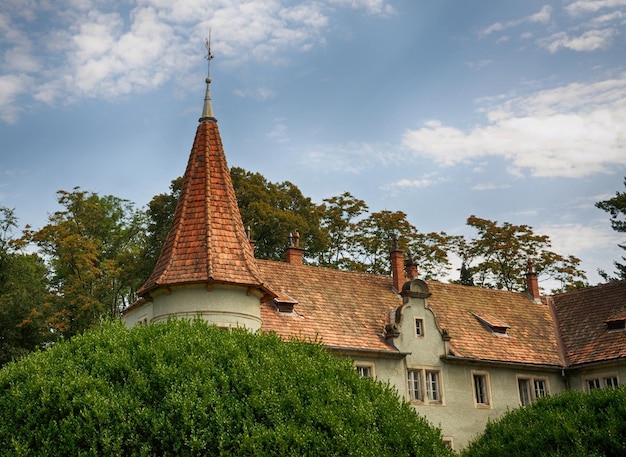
[(616, 207), (273, 211), (89, 246), (23, 295), (186, 388), (573, 424), (500, 254)]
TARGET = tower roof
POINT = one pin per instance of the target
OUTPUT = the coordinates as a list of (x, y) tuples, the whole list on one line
[(207, 242)]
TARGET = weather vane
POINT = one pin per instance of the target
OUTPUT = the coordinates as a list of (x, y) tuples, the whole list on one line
[(209, 56)]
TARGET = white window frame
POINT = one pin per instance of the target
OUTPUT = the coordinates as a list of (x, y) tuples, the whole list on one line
[(425, 385), (481, 381), (419, 327), (601, 381), (537, 387), (362, 366)]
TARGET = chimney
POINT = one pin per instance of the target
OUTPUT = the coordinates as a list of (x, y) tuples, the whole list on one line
[(397, 268), (532, 283), (293, 254)]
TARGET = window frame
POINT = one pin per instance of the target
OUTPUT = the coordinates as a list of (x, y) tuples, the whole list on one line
[(601, 381), (532, 391), (483, 378), (427, 389), (365, 365), (419, 327)]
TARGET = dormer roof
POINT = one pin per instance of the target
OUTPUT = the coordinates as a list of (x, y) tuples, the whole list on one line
[(207, 242)]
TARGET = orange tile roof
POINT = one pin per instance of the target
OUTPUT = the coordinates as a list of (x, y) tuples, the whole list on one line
[(350, 310), (530, 338), (207, 242), (339, 308), (582, 316)]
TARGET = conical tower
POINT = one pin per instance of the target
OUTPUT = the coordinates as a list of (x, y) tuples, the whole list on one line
[(206, 267)]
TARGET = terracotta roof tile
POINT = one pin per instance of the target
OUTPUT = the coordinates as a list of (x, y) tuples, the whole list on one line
[(207, 242), (339, 308), (583, 315), (530, 338)]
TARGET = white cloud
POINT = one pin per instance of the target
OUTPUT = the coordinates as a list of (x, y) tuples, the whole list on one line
[(101, 49), (11, 86), (489, 186), (591, 40), (591, 6), (352, 157), (428, 180), (542, 16), (571, 131)]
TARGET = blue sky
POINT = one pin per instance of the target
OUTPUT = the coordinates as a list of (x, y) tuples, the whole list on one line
[(512, 111)]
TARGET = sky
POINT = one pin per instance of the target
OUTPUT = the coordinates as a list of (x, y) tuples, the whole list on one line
[(511, 111)]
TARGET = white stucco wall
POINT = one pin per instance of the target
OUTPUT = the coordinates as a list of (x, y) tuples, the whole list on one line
[(222, 305)]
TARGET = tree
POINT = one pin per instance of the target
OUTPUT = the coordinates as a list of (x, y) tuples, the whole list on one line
[(572, 424), (186, 388), (338, 221), (89, 247), (273, 211), (501, 254), (616, 207), (23, 295)]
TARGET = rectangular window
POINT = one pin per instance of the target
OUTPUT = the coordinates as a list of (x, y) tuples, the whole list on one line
[(419, 327), (365, 371), (523, 386), (602, 381), (593, 384), (415, 385), (432, 385), (481, 389), (540, 388), (530, 389), (424, 385)]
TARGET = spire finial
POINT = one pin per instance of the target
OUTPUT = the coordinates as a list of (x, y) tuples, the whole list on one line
[(207, 109)]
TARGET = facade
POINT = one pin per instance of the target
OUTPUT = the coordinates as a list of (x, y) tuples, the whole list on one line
[(461, 355)]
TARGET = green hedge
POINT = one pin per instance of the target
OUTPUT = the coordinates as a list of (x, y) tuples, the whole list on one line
[(572, 424), (186, 388)]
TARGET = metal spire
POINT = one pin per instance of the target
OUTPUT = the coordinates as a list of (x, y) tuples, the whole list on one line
[(207, 109)]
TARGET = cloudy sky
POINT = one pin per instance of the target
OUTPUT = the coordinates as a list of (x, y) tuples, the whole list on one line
[(511, 111)]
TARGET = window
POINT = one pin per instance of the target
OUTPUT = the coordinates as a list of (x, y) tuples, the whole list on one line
[(365, 371), (531, 389), (601, 381), (424, 385), (419, 327), (415, 385), (481, 389)]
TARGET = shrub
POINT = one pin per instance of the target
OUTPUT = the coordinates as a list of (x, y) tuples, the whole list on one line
[(186, 388), (569, 424)]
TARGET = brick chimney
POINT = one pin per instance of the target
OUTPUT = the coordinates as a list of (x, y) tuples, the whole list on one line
[(532, 283), (294, 252), (397, 268)]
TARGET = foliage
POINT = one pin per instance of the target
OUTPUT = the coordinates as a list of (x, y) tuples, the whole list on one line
[(616, 207), (501, 252), (185, 388), (23, 294), (89, 247), (273, 211), (573, 424), (339, 215)]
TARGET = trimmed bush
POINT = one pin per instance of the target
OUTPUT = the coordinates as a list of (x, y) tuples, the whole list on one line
[(186, 388), (573, 424)]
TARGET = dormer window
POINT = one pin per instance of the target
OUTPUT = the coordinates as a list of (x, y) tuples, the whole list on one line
[(493, 324), (285, 304), (614, 325)]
